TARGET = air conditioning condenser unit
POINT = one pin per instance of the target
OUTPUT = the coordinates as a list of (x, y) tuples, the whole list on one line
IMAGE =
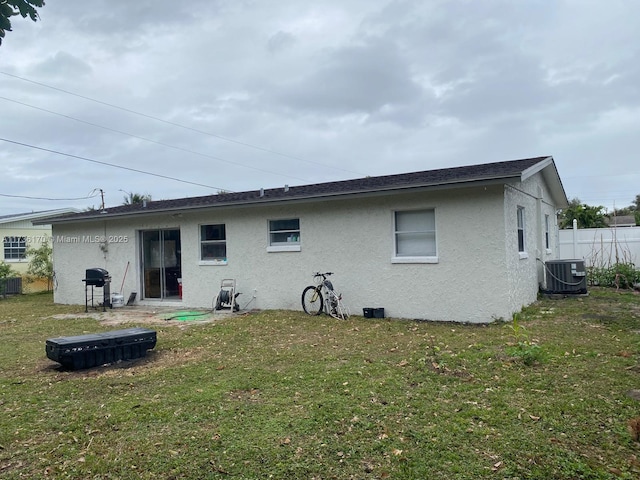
[(566, 277)]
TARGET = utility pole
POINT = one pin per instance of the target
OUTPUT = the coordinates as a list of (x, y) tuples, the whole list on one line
[(102, 196)]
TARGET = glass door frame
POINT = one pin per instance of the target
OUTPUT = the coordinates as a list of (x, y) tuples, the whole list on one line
[(160, 264)]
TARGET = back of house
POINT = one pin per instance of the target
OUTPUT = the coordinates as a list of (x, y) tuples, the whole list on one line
[(463, 244)]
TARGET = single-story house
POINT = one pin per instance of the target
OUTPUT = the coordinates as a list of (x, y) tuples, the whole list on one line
[(463, 244), (18, 234)]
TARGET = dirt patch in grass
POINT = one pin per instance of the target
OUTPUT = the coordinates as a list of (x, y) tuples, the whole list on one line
[(146, 316), (153, 361), (252, 395)]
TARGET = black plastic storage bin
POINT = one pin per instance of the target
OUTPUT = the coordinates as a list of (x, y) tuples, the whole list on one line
[(373, 312), (86, 351)]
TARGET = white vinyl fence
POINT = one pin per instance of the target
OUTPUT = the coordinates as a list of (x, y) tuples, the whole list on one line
[(601, 247)]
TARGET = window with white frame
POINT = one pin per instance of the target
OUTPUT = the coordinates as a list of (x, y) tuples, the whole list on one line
[(15, 248), (547, 243), (213, 243), (521, 230), (284, 233), (415, 235)]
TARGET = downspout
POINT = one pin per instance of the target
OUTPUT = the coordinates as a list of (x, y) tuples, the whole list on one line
[(539, 239)]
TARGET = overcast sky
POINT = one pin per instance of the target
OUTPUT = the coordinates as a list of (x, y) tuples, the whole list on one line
[(242, 94)]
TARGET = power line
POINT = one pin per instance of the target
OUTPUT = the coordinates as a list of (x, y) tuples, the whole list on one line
[(600, 175), (109, 164), (46, 198), (149, 140), (151, 117)]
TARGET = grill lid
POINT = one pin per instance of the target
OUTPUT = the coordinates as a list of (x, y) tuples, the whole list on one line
[(96, 277)]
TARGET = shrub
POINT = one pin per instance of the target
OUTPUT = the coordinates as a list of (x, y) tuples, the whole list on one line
[(6, 271), (41, 263), (618, 275)]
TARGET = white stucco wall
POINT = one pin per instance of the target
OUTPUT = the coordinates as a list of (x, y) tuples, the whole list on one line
[(351, 237), (526, 272)]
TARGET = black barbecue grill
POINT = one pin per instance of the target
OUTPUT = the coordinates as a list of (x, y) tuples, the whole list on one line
[(97, 277)]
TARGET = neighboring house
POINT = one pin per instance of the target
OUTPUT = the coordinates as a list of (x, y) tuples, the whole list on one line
[(18, 233), (462, 244), (621, 221)]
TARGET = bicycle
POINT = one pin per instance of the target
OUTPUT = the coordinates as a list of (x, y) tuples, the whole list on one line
[(316, 298)]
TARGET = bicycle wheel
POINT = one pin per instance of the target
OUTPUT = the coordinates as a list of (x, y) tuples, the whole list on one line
[(335, 307), (343, 312), (312, 300)]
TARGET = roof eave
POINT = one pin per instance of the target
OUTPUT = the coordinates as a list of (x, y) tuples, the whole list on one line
[(305, 198), (550, 174), (39, 215)]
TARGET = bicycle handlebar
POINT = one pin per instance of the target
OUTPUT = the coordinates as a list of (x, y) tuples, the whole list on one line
[(318, 274)]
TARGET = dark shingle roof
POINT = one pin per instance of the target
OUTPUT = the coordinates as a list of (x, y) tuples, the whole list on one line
[(621, 220), (498, 171)]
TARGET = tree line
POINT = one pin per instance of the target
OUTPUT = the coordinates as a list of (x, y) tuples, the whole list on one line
[(589, 216)]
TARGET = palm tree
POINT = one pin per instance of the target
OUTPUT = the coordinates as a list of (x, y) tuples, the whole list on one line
[(134, 198)]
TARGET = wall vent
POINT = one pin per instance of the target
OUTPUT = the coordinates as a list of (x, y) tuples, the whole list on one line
[(566, 276)]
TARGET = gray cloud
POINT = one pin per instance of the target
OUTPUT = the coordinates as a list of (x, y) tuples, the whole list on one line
[(280, 41), (359, 78), (318, 92)]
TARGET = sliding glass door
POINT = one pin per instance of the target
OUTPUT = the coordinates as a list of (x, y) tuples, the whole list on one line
[(161, 263)]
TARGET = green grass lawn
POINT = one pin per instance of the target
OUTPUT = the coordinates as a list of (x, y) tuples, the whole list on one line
[(278, 394)]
